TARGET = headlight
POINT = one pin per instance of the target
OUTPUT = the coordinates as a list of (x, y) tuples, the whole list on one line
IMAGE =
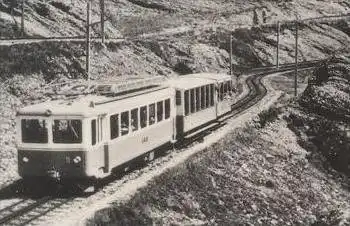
[(25, 159), (77, 159)]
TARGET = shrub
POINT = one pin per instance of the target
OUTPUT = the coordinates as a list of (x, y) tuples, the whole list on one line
[(268, 116)]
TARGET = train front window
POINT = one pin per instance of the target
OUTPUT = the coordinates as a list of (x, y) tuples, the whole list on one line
[(34, 131), (67, 131)]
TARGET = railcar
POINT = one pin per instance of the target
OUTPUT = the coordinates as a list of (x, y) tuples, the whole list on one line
[(87, 138), (201, 99)]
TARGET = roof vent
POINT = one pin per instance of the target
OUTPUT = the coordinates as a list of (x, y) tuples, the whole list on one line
[(92, 104)]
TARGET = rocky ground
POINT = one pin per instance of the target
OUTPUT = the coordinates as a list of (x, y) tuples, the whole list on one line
[(287, 167), (254, 176), (197, 42), (323, 118)]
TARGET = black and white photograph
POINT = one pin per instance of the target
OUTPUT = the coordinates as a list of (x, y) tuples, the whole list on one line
[(175, 112)]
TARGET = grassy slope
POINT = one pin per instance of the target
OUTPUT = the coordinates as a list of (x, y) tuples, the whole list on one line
[(255, 176), (260, 175), (24, 69)]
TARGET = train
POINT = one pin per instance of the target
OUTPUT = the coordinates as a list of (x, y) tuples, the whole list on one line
[(87, 138)]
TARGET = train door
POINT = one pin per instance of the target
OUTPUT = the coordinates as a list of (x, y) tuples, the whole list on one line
[(100, 148), (102, 135)]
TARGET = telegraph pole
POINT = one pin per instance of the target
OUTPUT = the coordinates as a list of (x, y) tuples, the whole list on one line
[(231, 69), (278, 44), (88, 9), (102, 5), (296, 59), (22, 18)]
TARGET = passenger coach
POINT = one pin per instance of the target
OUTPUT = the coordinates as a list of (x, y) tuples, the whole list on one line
[(88, 137), (201, 99)]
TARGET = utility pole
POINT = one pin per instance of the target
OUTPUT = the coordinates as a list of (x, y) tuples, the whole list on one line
[(278, 44), (296, 59), (231, 69), (22, 19), (102, 5), (88, 9)]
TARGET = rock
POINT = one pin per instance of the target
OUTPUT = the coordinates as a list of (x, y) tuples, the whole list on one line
[(254, 207), (5, 126), (274, 222), (269, 184)]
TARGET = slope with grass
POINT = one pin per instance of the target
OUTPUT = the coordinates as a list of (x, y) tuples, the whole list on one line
[(289, 166), (26, 68), (322, 120)]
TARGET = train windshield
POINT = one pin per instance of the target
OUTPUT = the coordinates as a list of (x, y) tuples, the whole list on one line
[(34, 131), (67, 131)]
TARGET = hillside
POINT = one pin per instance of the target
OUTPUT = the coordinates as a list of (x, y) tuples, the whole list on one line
[(194, 39), (323, 119), (289, 166)]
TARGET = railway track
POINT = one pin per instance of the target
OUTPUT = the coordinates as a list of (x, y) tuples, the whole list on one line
[(257, 91), (26, 211)]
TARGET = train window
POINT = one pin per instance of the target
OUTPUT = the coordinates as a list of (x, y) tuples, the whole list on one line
[(67, 131), (187, 102), (211, 94), (178, 98), (203, 97), (143, 116), (152, 114), (167, 108), (198, 99), (124, 121), (135, 119), (100, 133), (225, 88), (207, 96), (34, 131), (114, 124), (93, 131), (221, 91), (159, 111), (192, 102)]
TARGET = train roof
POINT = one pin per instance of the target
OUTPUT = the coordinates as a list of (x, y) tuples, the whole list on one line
[(195, 80), (89, 105), (211, 76), (95, 104)]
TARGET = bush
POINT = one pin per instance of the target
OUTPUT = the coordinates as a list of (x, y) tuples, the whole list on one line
[(268, 116)]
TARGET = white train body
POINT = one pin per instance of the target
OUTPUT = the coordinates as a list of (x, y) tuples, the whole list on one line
[(91, 136)]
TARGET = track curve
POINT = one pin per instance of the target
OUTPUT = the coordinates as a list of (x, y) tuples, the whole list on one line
[(27, 211)]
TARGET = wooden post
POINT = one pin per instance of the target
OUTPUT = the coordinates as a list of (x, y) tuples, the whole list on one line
[(231, 69), (88, 6), (278, 44), (296, 59), (22, 18), (102, 5)]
